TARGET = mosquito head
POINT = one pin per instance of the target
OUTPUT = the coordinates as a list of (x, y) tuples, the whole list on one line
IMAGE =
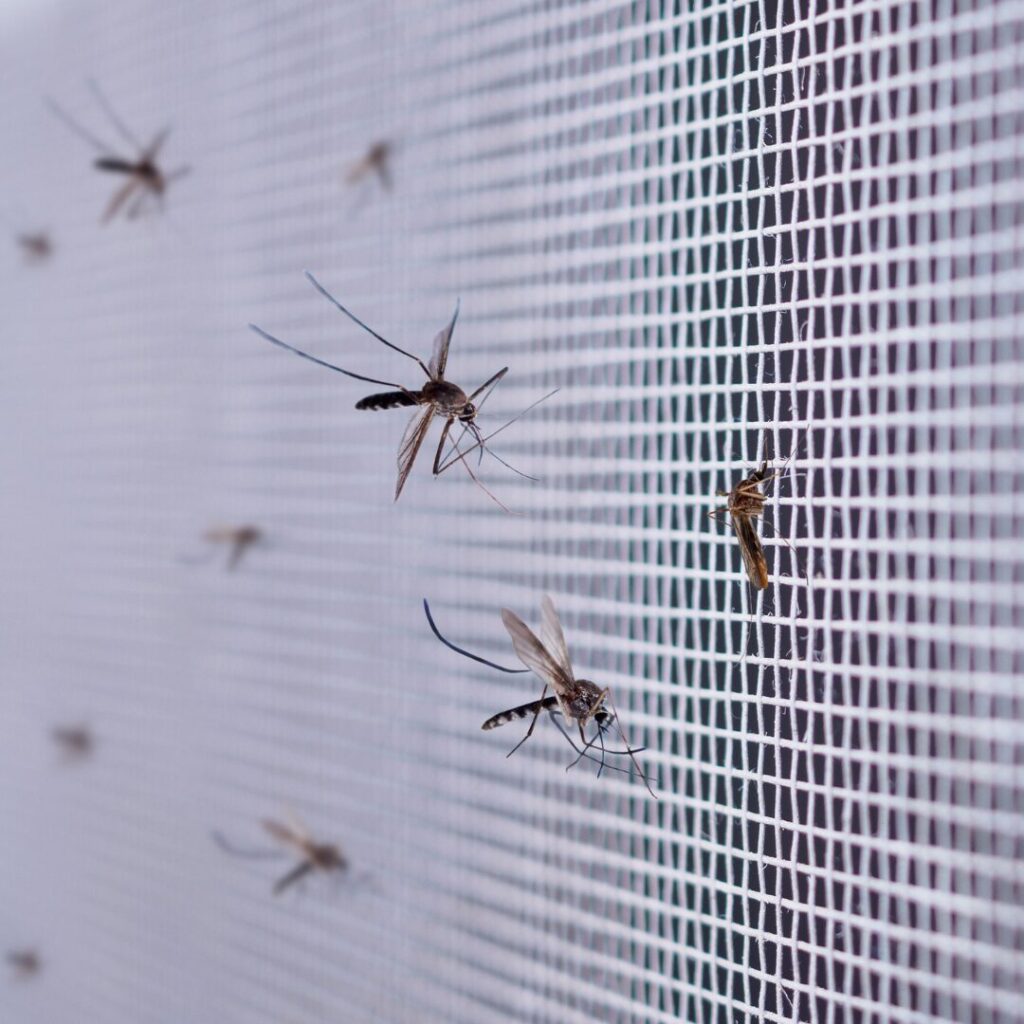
[(468, 414)]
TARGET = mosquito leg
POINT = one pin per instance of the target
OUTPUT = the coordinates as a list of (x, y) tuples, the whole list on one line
[(296, 874), (110, 112), (636, 765), (568, 739), (533, 722), (477, 481), (440, 445)]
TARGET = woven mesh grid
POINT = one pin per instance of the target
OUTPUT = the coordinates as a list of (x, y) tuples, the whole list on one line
[(741, 231)]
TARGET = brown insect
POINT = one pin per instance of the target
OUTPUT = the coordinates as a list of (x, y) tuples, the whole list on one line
[(438, 397), (325, 857), (26, 963), (579, 701), (75, 741), (239, 539), (144, 177), (745, 504), (36, 247), (377, 160)]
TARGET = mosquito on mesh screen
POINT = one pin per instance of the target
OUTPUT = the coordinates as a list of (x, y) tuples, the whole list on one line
[(145, 179), (438, 397), (238, 539), (75, 741), (744, 504), (314, 856), (376, 160), (25, 963), (36, 246), (578, 701)]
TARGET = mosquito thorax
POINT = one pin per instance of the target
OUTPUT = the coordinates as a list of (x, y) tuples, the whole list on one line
[(583, 701), (449, 398)]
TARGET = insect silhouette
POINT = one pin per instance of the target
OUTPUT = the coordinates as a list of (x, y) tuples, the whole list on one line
[(25, 963), (376, 160), (36, 246), (578, 701), (75, 741), (314, 856), (238, 538), (745, 504), (438, 397), (144, 178)]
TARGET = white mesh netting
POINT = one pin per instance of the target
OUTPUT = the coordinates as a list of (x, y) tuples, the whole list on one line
[(712, 229)]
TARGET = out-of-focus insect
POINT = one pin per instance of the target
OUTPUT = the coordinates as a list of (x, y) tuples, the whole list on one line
[(238, 538), (324, 857), (36, 246), (25, 963), (145, 179), (438, 397), (75, 741), (579, 701), (376, 160)]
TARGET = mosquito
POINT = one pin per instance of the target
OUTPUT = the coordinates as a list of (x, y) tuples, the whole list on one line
[(744, 504), (376, 160), (144, 178), (75, 741), (579, 701), (438, 397), (25, 962), (314, 856), (36, 246), (239, 539)]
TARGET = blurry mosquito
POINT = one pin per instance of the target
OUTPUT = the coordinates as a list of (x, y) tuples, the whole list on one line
[(744, 504), (144, 178), (36, 247), (577, 700), (24, 962), (238, 538), (438, 397), (75, 741), (376, 160), (314, 856)]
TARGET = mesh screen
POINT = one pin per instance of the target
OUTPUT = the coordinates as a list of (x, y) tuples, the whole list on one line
[(726, 233)]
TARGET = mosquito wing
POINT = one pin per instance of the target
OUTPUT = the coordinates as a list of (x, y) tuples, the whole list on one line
[(412, 441), (752, 551), (285, 835), (552, 637), (534, 654), (439, 357)]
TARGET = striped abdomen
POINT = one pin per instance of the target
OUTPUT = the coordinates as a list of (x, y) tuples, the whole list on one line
[(533, 708), (387, 400)]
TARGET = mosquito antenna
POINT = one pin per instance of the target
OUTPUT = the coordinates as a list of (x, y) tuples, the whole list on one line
[(236, 851), (82, 133), (330, 298), (494, 433), (618, 725), (313, 359), (112, 114), (466, 654)]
